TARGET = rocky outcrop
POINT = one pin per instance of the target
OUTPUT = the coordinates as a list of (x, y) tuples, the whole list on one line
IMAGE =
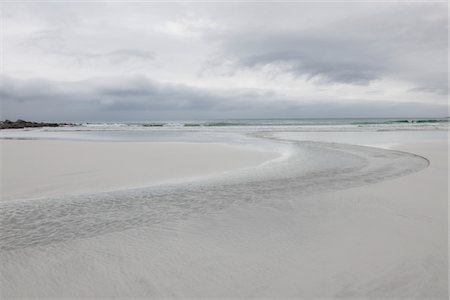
[(7, 124)]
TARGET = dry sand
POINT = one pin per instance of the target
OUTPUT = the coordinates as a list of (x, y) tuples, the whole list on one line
[(41, 168), (389, 239)]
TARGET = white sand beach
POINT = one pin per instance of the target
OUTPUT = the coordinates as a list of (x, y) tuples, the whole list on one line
[(49, 168), (387, 239), (224, 150)]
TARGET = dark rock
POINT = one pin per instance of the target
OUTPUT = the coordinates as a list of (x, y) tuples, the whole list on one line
[(7, 124)]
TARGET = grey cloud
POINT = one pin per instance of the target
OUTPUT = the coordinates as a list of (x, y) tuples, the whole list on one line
[(400, 42), (56, 43), (114, 97), (133, 93), (46, 41), (330, 59), (132, 58), (138, 98), (350, 43), (441, 89)]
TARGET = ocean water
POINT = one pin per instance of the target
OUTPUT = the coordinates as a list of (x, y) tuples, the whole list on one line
[(302, 123), (234, 130)]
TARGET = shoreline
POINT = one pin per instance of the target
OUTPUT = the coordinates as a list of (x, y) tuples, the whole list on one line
[(51, 168)]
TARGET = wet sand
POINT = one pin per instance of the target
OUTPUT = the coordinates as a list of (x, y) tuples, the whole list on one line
[(45, 168)]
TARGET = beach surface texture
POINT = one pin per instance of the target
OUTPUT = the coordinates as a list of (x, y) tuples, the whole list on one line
[(43, 168), (360, 213)]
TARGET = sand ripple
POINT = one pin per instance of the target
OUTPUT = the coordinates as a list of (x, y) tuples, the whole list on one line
[(312, 167)]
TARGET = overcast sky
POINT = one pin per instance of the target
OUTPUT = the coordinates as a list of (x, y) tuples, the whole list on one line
[(153, 61)]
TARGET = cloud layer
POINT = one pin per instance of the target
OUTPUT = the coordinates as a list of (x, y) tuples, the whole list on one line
[(141, 61), (118, 99)]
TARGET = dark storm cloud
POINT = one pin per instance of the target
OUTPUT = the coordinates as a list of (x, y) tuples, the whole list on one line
[(138, 98), (135, 93), (126, 97)]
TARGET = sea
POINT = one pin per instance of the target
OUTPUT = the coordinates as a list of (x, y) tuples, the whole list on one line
[(216, 130)]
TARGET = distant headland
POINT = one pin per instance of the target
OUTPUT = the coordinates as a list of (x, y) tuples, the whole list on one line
[(7, 124)]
